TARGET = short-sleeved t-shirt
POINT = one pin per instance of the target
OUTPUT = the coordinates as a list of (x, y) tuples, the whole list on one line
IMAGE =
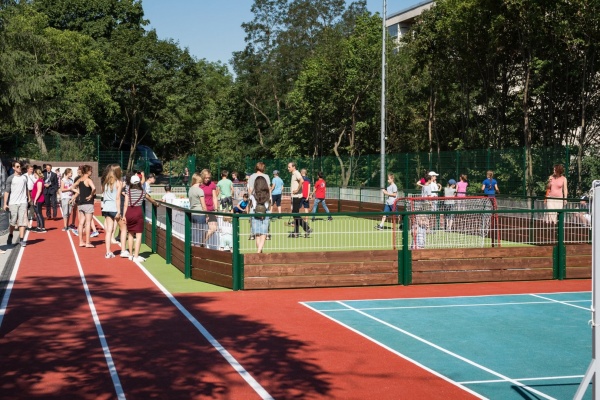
[(391, 189), (320, 189), (194, 194), (208, 195), (277, 185), (16, 185), (461, 189), (489, 186), (225, 188), (305, 187), (295, 183), (66, 184), (253, 178), (426, 191)]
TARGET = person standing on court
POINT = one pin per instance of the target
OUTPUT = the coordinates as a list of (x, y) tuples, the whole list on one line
[(557, 191), (259, 171), (16, 201), (319, 196), (391, 192), (296, 192), (277, 191), (225, 191), (490, 185)]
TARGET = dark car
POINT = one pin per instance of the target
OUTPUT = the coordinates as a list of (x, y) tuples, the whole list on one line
[(145, 153)]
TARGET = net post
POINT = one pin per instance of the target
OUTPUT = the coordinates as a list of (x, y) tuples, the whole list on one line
[(169, 223), (237, 259), (187, 255), (154, 221), (561, 249), (406, 254)]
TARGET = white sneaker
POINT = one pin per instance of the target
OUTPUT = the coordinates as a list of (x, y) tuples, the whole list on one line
[(94, 234), (125, 254), (139, 259), (109, 255)]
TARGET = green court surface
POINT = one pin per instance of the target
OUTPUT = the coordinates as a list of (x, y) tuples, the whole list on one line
[(529, 346)]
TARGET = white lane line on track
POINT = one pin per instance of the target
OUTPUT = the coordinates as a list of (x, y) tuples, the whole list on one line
[(13, 276), (214, 342), (109, 360), (464, 359)]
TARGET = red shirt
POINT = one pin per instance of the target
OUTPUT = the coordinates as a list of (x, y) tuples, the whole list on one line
[(306, 188), (34, 191), (208, 195), (320, 189)]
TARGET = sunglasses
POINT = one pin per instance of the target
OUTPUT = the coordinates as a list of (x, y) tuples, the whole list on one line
[(17, 166)]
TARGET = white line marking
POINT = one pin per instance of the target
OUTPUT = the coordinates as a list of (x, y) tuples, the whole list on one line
[(545, 378), (13, 277), (559, 302), (448, 306), (445, 297), (109, 360), (466, 360), (466, 389), (214, 342)]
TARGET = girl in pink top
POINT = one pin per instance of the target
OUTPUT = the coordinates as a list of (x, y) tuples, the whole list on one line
[(461, 186), (557, 191), (210, 197)]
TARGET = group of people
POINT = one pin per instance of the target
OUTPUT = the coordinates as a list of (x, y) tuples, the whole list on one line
[(31, 188)]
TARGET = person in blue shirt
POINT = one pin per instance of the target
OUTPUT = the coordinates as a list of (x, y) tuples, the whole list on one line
[(490, 185), (276, 191), (242, 205)]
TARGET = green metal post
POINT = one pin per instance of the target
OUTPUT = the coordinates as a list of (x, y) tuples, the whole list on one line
[(406, 169), (561, 249), (187, 262), (144, 219), (237, 257), (457, 174), (154, 220), (169, 223), (524, 172), (407, 257)]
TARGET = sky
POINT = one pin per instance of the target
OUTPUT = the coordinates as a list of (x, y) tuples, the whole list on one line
[(211, 29)]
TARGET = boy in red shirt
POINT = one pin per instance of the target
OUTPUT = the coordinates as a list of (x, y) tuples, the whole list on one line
[(319, 195), (305, 203)]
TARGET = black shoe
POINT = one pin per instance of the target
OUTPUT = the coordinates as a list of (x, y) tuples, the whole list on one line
[(41, 230), (9, 239), (268, 237), (293, 235), (329, 219), (312, 220), (379, 227), (252, 237)]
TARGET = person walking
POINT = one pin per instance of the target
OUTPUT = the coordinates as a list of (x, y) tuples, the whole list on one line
[(16, 200), (225, 191), (296, 192), (50, 190), (135, 217), (112, 187), (85, 205), (259, 204), (276, 191), (318, 194), (391, 192)]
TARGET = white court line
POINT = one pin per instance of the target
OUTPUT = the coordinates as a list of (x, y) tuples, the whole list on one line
[(446, 297), (447, 306), (545, 378), (415, 362), (13, 277), (214, 342), (109, 360), (466, 360), (560, 302)]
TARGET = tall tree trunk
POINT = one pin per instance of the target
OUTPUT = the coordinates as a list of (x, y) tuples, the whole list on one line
[(527, 129), (39, 138), (431, 121)]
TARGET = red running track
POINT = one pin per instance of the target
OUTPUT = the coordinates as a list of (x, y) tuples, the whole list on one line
[(50, 348)]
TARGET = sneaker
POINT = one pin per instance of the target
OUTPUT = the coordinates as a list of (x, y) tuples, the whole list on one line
[(329, 219), (109, 255), (75, 232), (125, 254), (293, 235), (138, 259), (130, 258), (252, 237), (65, 229), (268, 237), (41, 230), (72, 226), (23, 243), (379, 227), (94, 234), (9, 239)]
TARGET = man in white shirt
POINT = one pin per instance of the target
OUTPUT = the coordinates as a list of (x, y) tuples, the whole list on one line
[(16, 200)]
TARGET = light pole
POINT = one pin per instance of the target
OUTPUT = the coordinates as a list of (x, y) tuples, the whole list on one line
[(383, 29)]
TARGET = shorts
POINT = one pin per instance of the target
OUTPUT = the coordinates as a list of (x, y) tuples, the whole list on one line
[(18, 214), (86, 208), (226, 241), (304, 203), (66, 207), (211, 218), (226, 203), (388, 208), (109, 214), (276, 199), (260, 226), (237, 210)]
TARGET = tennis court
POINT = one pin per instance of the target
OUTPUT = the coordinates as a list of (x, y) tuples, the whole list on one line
[(497, 347)]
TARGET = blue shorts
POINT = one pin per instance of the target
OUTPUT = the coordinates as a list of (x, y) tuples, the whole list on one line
[(388, 208), (276, 199), (304, 203), (260, 226)]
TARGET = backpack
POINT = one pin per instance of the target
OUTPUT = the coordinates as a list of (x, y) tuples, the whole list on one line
[(260, 208)]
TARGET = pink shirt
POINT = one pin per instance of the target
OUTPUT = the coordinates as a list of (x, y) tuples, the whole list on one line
[(558, 187), (35, 189), (461, 189), (208, 195)]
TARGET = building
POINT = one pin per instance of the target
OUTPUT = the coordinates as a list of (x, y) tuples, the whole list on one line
[(399, 23)]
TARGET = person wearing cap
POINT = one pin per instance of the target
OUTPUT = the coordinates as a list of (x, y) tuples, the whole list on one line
[(135, 217), (435, 186), (225, 191), (276, 191)]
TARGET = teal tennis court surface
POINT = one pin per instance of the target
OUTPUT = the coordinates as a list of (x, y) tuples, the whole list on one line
[(526, 346)]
